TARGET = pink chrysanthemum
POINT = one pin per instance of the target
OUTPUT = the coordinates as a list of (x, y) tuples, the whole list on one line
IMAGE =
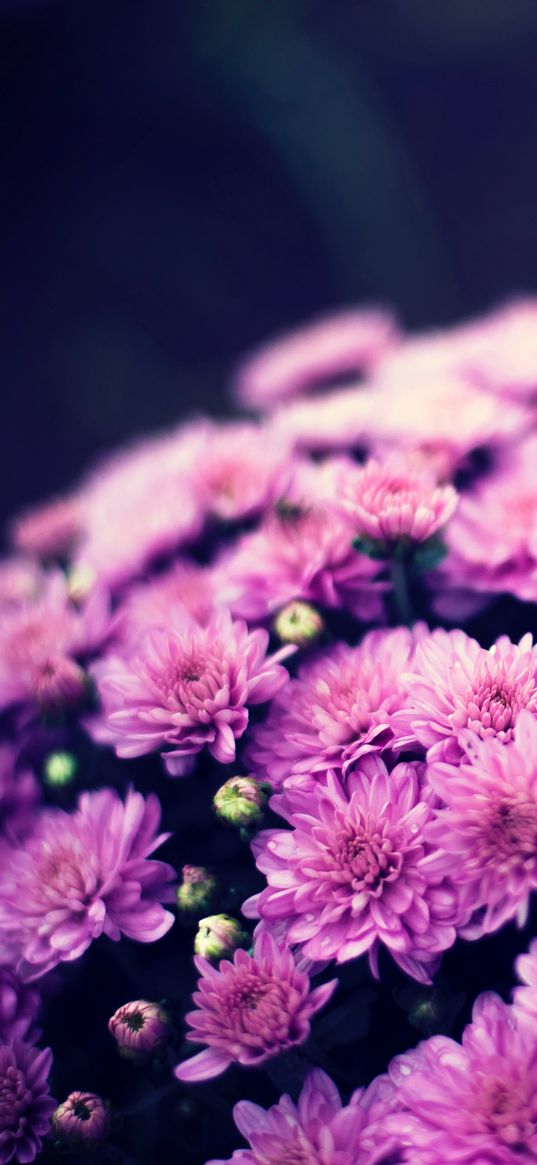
[(50, 530), (474, 1104), (352, 873), (485, 837), (41, 641), (525, 997), (345, 344), (21, 581), (395, 500), (455, 685), (341, 419), (241, 469), (250, 1009), (318, 1130), (339, 707), (83, 874), (19, 1008), (186, 587), (185, 687), (26, 1105), (501, 349)]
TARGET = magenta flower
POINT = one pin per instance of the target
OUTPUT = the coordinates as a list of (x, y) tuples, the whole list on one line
[(50, 530), (185, 687), (485, 838), (352, 873), (339, 708), (394, 500), (82, 1119), (83, 874), (242, 469), (25, 1102), (346, 343), (318, 1130), (474, 1104), (249, 1010), (525, 997), (41, 641), (455, 685), (19, 1008), (140, 1029)]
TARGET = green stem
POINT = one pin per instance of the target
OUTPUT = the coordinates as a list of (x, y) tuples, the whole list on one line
[(400, 591)]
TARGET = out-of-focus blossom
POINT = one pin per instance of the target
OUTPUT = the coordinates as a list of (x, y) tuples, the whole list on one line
[(485, 837), (60, 769), (185, 687), (19, 795), (218, 936), (352, 874), (339, 707), (241, 470), (318, 1130), (140, 1029), (501, 349), (337, 420), (83, 874), (50, 530), (19, 1008), (25, 1102), (455, 685), (249, 1010), (41, 642), (525, 997), (186, 587), (21, 580), (474, 1104), (241, 801), (82, 1119), (395, 500), (197, 891), (341, 345)]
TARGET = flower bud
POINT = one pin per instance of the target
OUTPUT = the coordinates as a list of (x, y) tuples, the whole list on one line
[(241, 801), (82, 1119), (59, 683), (298, 623), (218, 936), (60, 769), (80, 581), (140, 1029), (197, 891)]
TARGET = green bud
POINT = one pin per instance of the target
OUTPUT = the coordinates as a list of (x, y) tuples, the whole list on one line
[(196, 892), (241, 801), (298, 623), (218, 936), (60, 769)]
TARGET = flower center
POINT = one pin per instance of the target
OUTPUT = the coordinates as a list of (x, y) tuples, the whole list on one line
[(134, 1021), (511, 1115), (81, 1110), (366, 860), (512, 831)]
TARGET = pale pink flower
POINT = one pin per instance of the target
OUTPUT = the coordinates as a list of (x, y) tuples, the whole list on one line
[(240, 470), (341, 419), (186, 686), (185, 587), (249, 1009), (50, 530), (502, 349), (352, 875), (525, 997), (21, 580), (346, 343), (395, 500)]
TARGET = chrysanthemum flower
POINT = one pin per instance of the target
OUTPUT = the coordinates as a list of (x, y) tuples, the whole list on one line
[(41, 641), (455, 685), (395, 500), (474, 1104), (140, 1028), (21, 580), (250, 1009), (185, 687), (185, 587), (525, 997), (318, 1130), (25, 1102), (50, 530), (352, 873), (19, 1008), (485, 838), (338, 708), (83, 874), (344, 344), (503, 352), (337, 420), (241, 469)]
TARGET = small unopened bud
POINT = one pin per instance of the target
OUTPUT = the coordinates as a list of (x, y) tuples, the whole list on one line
[(196, 892), (218, 936), (241, 801), (80, 581), (59, 683), (298, 623), (60, 769), (140, 1029), (83, 1118)]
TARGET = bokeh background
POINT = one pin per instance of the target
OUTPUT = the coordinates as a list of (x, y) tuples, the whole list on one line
[(181, 178)]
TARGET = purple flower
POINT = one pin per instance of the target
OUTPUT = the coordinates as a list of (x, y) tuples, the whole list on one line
[(19, 1008), (19, 795), (82, 1119), (339, 708), (525, 997), (185, 587), (140, 1029), (474, 1104), (486, 836), (249, 1010), (352, 873), (395, 500), (187, 686), (318, 1130), (455, 685), (25, 1102), (83, 874)]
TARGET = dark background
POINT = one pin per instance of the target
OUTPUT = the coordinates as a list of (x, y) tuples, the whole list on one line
[(181, 178)]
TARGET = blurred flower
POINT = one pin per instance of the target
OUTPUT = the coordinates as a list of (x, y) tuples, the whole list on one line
[(336, 420), (242, 469), (186, 686), (218, 936), (338, 708), (197, 890), (298, 623), (19, 1008), (50, 530), (21, 581), (250, 1010), (82, 1119), (185, 587), (25, 1102), (525, 997), (393, 501), (353, 872), (343, 344), (83, 874), (241, 801), (318, 1130), (140, 1029), (19, 795)]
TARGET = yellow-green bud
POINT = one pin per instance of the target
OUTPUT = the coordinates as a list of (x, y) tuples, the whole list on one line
[(218, 936), (298, 623), (241, 801), (60, 769), (196, 892)]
